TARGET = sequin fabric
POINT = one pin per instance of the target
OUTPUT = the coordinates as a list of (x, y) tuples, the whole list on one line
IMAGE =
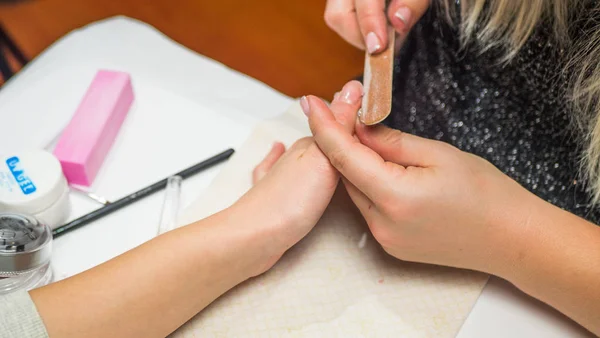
[(514, 115)]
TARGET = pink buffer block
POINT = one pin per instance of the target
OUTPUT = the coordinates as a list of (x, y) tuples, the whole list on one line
[(91, 132)]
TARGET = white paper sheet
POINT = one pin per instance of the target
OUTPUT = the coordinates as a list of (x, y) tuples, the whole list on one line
[(327, 285)]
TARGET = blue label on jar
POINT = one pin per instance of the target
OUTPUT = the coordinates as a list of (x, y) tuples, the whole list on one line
[(16, 168)]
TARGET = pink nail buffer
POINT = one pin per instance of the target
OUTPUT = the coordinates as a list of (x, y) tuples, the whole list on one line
[(91, 132)]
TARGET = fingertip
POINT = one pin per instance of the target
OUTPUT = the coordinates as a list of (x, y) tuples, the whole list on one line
[(305, 105), (352, 93), (320, 114), (341, 17), (336, 96), (317, 105), (403, 14), (375, 43), (356, 84), (373, 24), (344, 107), (277, 150), (278, 147), (309, 103), (401, 18)]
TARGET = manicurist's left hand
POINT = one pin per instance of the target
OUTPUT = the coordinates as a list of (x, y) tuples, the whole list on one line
[(424, 200)]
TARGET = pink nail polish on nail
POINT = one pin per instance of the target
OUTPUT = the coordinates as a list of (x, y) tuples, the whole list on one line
[(404, 14), (373, 43), (305, 105)]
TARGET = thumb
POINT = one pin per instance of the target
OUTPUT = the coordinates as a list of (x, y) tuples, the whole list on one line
[(403, 148), (345, 105), (359, 164), (268, 162), (403, 14)]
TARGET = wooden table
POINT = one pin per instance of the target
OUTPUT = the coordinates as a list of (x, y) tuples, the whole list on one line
[(283, 43)]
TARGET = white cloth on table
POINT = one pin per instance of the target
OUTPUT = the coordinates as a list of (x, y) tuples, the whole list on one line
[(19, 317)]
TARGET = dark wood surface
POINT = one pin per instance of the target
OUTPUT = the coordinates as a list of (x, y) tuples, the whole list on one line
[(284, 43)]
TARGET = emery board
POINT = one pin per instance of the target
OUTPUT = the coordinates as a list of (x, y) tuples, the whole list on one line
[(378, 83)]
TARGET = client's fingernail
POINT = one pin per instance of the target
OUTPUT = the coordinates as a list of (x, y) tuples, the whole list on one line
[(336, 96), (305, 105), (373, 43), (404, 14), (351, 93)]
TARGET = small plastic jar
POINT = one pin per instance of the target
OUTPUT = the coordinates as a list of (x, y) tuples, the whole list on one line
[(32, 183), (25, 250)]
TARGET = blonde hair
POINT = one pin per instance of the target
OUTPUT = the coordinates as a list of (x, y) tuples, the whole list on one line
[(508, 24)]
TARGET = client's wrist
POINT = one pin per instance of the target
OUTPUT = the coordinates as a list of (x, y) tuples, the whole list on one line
[(252, 237)]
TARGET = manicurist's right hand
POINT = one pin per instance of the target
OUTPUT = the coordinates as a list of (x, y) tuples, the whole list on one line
[(363, 23), (427, 201)]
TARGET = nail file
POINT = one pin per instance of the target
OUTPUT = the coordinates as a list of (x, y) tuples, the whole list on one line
[(378, 77), (91, 132)]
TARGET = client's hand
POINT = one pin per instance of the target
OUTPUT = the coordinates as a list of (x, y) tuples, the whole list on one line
[(293, 187), (424, 200), (363, 23)]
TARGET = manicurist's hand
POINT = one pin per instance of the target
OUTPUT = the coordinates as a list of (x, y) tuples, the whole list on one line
[(424, 200), (427, 201), (363, 23)]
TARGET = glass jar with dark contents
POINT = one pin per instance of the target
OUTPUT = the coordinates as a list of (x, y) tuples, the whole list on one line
[(25, 250)]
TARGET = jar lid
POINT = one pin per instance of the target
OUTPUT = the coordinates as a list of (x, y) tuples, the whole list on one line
[(25, 243), (30, 181)]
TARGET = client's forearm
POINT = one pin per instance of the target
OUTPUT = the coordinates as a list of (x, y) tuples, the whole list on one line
[(153, 289), (558, 262)]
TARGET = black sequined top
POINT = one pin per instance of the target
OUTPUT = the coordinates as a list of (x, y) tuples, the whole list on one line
[(514, 115)]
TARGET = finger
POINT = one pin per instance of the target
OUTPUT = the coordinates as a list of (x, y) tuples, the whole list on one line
[(402, 148), (340, 16), (373, 24), (403, 14), (346, 104), (267, 163), (336, 96), (359, 164)]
